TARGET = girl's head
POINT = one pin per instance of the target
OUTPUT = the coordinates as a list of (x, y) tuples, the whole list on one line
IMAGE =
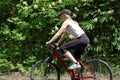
[(64, 14)]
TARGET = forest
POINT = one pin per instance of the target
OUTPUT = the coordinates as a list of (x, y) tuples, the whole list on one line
[(25, 26)]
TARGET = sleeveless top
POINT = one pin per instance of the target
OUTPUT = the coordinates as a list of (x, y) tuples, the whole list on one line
[(74, 28)]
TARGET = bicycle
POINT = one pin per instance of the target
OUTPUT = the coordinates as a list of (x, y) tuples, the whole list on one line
[(94, 69)]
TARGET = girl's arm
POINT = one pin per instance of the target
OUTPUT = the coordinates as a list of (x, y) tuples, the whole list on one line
[(60, 31), (62, 37)]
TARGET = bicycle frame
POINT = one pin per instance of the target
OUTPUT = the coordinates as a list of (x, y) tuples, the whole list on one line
[(57, 56), (93, 75)]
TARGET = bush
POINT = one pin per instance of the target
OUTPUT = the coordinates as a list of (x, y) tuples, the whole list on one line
[(28, 24), (5, 66)]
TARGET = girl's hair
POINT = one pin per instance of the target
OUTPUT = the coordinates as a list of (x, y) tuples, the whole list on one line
[(64, 11)]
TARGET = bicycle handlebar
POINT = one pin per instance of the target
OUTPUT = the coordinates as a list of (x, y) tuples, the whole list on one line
[(52, 47)]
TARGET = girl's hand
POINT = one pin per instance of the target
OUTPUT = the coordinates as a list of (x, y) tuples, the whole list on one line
[(56, 44), (48, 44)]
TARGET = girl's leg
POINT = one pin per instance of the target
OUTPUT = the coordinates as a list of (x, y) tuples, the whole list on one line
[(69, 56), (72, 59)]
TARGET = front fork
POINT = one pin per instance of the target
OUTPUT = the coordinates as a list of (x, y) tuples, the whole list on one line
[(47, 71), (48, 60)]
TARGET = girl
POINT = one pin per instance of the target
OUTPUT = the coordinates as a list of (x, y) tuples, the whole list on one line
[(80, 42)]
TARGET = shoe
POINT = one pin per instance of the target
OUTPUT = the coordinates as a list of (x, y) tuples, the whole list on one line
[(74, 66)]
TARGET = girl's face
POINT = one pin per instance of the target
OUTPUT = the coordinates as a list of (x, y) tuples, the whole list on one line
[(63, 17)]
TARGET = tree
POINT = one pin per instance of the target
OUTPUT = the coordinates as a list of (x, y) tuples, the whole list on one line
[(29, 24)]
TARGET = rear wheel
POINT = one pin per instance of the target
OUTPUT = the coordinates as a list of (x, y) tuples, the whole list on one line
[(44, 70), (100, 68)]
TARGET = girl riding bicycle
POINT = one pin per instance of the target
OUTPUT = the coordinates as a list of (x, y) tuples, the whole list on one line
[(81, 40)]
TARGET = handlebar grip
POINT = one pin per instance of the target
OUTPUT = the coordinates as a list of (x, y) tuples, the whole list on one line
[(52, 47)]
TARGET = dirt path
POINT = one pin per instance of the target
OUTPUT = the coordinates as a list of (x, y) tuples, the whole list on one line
[(18, 76)]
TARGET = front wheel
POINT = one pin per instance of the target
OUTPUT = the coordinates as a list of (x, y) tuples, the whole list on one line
[(100, 68), (44, 70)]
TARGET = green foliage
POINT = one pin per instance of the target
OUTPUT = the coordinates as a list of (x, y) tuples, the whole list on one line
[(5, 65), (27, 24)]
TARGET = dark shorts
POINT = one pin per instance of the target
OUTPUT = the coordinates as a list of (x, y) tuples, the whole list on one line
[(78, 45)]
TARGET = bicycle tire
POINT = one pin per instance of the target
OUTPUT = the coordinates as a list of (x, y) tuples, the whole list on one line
[(99, 67), (44, 70)]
